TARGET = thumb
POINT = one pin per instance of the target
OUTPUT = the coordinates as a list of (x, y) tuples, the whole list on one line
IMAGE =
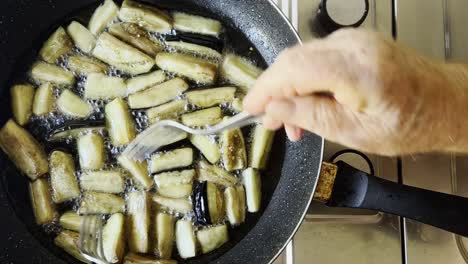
[(317, 114)]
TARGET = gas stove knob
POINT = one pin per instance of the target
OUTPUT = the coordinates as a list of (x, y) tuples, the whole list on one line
[(335, 14)]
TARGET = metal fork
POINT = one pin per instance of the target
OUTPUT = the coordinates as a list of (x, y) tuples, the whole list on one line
[(91, 239), (162, 132)]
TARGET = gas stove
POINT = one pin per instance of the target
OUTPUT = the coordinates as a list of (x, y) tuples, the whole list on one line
[(435, 28)]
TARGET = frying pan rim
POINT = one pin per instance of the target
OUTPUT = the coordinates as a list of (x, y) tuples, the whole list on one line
[(296, 228)]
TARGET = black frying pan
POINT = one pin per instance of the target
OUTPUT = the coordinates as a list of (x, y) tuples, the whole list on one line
[(289, 183)]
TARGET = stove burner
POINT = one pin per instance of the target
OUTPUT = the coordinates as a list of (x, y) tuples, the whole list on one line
[(335, 14)]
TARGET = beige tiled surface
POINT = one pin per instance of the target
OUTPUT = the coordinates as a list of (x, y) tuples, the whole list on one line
[(458, 26), (348, 243), (420, 25)]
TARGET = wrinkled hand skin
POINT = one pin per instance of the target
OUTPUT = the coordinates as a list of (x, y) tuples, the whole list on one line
[(367, 92)]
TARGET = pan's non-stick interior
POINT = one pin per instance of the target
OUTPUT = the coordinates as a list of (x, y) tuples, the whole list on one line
[(288, 184)]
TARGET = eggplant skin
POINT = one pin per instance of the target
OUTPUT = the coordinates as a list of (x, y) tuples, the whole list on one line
[(25, 152), (200, 203)]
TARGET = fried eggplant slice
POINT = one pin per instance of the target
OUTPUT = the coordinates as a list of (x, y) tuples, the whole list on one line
[(108, 181), (194, 49), (158, 94), (173, 159), (100, 86), (148, 17), (102, 17), (101, 203), (196, 69), (63, 177), (175, 191), (185, 239), (178, 205), (138, 171), (211, 97), (239, 71), (260, 148), (122, 56), (137, 37), (215, 174), (207, 146), (208, 203), (253, 189), (196, 24), (70, 220), (212, 238), (41, 202), (164, 235), (68, 241), (138, 221), (44, 100), (82, 37), (24, 150), (91, 151), (72, 105), (58, 44), (234, 202), (215, 203), (63, 135), (85, 65), (233, 150), (165, 111), (144, 81), (119, 121), (174, 178), (43, 72), (21, 102), (113, 238), (205, 117)]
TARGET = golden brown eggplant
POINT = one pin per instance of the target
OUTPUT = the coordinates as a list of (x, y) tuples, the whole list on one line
[(25, 152), (58, 44), (63, 177), (41, 202), (21, 102)]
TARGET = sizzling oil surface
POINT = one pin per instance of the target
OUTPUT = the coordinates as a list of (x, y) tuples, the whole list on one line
[(42, 127)]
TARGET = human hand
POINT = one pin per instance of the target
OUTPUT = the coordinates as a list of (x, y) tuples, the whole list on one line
[(364, 91)]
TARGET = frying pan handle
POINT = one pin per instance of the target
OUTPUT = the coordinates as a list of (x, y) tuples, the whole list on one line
[(354, 188)]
